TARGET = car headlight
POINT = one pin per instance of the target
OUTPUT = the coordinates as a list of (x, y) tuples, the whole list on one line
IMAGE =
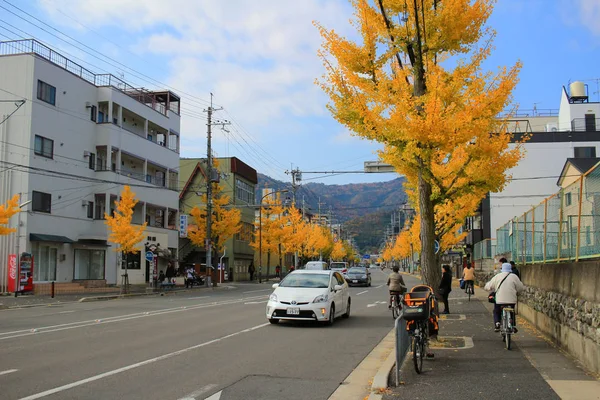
[(320, 299), (273, 297), (364, 277)]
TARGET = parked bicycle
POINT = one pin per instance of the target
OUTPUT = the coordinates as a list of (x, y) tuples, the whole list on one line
[(508, 325), (418, 311)]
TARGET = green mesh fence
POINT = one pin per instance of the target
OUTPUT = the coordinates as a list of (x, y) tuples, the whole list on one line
[(566, 226), (538, 233)]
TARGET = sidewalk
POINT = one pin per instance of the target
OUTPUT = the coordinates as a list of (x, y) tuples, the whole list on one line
[(472, 363)]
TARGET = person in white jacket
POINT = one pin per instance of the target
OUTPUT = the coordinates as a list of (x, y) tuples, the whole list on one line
[(506, 285)]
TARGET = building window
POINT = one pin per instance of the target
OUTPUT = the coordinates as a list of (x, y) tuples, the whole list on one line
[(89, 264), (46, 93), (43, 147), (92, 161), (585, 152), (246, 232), (244, 191), (131, 260), (41, 202), (90, 209), (568, 199), (45, 263), (94, 113), (101, 117)]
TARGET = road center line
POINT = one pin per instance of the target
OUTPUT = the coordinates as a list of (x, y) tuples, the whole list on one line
[(202, 390), (136, 365), (358, 294), (107, 320), (379, 286), (8, 371), (261, 290)]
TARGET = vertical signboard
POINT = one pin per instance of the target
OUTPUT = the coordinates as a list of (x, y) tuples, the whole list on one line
[(12, 273), (183, 225)]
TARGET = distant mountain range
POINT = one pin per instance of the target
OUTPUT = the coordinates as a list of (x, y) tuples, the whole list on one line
[(364, 208)]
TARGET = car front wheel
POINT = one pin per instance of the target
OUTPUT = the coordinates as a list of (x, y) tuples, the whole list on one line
[(347, 314), (331, 315)]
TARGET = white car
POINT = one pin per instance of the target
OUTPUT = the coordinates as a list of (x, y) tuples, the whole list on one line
[(309, 295)]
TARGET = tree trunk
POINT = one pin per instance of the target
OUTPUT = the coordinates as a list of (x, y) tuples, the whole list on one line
[(430, 271)]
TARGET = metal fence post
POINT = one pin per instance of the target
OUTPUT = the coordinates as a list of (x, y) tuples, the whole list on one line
[(560, 222), (533, 235), (545, 228), (579, 219)]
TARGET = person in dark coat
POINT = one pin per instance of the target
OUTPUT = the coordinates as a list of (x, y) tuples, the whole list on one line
[(251, 270), (445, 287), (514, 269), (170, 273)]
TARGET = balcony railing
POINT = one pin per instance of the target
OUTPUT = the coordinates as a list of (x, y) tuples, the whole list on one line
[(585, 124)]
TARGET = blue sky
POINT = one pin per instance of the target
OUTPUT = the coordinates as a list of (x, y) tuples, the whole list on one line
[(259, 60)]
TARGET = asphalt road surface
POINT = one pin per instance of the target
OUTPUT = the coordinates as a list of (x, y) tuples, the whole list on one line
[(213, 344)]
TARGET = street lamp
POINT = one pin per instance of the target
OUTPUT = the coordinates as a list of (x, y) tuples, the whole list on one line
[(18, 249), (260, 232)]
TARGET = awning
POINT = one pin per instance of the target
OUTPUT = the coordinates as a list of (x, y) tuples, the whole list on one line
[(38, 237), (93, 242)]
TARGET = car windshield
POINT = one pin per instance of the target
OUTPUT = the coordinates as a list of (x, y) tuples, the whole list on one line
[(338, 265), (306, 281), (357, 270)]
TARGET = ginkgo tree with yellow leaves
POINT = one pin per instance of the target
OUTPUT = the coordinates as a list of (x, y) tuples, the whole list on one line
[(6, 211), (122, 232), (271, 229), (415, 83), (226, 222)]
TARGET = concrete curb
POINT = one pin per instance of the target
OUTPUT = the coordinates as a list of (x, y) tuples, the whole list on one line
[(380, 382)]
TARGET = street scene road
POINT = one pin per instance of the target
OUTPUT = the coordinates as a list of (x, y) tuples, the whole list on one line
[(184, 346)]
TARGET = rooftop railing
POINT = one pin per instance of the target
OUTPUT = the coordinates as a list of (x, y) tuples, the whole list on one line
[(32, 46)]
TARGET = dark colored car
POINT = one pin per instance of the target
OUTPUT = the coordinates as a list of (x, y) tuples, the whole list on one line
[(358, 276)]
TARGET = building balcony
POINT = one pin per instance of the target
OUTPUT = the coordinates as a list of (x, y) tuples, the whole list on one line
[(585, 124)]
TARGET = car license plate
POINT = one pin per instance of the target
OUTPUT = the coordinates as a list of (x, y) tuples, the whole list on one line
[(354, 281), (293, 311)]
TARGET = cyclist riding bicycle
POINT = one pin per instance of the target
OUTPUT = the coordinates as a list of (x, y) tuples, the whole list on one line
[(469, 278), (506, 285), (396, 285)]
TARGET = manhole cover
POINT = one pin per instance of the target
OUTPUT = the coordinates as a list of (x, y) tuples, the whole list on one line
[(451, 342)]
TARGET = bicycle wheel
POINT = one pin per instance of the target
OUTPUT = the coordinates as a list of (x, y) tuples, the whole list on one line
[(507, 341), (395, 312), (469, 291), (418, 354)]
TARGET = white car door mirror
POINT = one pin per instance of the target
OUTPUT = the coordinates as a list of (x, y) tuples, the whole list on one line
[(337, 287), (275, 285)]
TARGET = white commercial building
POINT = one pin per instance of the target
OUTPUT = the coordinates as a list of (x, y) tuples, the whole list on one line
[(554, 136), (73, 144)]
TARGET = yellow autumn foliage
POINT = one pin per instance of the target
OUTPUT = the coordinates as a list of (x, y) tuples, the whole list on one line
[(122, 232), (6, 211)]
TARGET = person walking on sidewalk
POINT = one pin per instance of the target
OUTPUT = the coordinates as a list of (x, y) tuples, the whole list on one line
[(469, 278), (445, 287), (506, 285), (251, 270)]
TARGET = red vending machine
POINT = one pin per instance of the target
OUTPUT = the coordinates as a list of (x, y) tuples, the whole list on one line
[(26, 273)]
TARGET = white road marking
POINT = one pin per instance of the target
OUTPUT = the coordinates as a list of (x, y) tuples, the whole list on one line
[(196, 298), (107, 320), (379, 286), (8, 371), (215, 396), (358, 294), (66, 312), (202, 390), (136, 365), (256, 302), (261, 290), (376, 304), (371, 305)]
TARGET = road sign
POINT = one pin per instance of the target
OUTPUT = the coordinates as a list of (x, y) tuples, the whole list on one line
[(366, 256), (436, 247), (149, 256)]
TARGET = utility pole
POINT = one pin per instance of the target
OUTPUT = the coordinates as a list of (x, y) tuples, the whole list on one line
[(210, 178), (296, 177)]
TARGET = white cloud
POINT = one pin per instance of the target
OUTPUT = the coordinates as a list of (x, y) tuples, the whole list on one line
[(589, 13)]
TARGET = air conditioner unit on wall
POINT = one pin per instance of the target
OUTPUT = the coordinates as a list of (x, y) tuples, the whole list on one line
[(552, 127)]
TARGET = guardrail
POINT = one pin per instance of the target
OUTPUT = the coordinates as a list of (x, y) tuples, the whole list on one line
[(402, 343)]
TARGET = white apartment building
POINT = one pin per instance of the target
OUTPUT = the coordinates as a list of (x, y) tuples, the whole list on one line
[(555, 135), (70, 148)]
